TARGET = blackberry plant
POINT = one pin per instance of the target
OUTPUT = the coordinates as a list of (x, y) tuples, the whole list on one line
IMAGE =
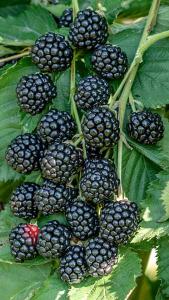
[(84, 160)]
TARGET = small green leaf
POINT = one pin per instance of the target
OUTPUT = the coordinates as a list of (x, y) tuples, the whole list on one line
[(163, 265), (61, 102)]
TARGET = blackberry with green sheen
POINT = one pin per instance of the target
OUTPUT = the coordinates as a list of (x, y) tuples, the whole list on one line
[(88, 30), (53, 240), (51, 199), (56, 126), (119, 221), (22, 201), (109, 61), (23, 240), (82, 219), (73, 265), (60, 162), (24, 153), (51, 53), (100, 257), (100, 128), (66, 18), (146, 127), (34, 92), (92, 91)]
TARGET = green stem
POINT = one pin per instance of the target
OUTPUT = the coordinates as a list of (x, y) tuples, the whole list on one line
[(14, 56), (130, 79), (152, 39), (75, 7), (131, 100)]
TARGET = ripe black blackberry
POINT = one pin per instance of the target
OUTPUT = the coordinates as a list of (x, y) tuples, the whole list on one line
[(146, 127), (109, 61), (88, 30), (60, 162), (50, 199), (24, 153), (51, 53), (72, 264), (82, 219), (119, 220), (97, 187), (23, 240), (100, 128), (22, 201), (66, 18), (53, 240), (100, 257), (92, 91), (56, 126), (34, 92)]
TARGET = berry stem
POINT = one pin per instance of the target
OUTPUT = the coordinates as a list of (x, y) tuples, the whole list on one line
[(131, 101), (126, 89), (14, 56)]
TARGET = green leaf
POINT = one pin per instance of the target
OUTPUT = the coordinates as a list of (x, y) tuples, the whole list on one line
[(6, 189), (5, 51), (10, 122), (163, 265), (137, 172), (113, 287), (61, 102), (25, 28), (16, 278)]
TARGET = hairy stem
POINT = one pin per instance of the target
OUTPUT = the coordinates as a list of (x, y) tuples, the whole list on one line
[(9, 58), (151, 19)]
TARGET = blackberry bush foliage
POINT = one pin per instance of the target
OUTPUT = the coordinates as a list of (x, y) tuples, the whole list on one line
[(84, 159)]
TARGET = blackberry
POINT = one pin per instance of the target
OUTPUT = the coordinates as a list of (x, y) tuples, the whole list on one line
[(146, 127), (34, 92), (92, 91), (72, 264), (82, 219), (60, 162), (56, 126), (101, 128), (97, 187), (66, 18), (23, 240), (24, 153), (119, 220), (109, 61), (51, 53), (22, 201), (51, 198), (53, 240), (100, 256), (88, 30)]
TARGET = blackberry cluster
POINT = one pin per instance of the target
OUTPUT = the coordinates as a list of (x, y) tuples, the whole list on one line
[(88, 30), (24, 153), (99, 181), (101, 128), (53, 239), (34, 92), (82, 219), (100, 256), (56, 126), (51, 53), (66, 19), (73, 266), (146, 127), (60, 162), (119, 220), (51, 198), (92, 91), (109, 61), (22, 201), (23, 241)]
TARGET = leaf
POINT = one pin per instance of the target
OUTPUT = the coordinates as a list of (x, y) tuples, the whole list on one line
[(61, 102), (137, 172), (163, 265), (25, 28), (15, 278), (113, 287), (6, 189), (10, 122), (5, 51)]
